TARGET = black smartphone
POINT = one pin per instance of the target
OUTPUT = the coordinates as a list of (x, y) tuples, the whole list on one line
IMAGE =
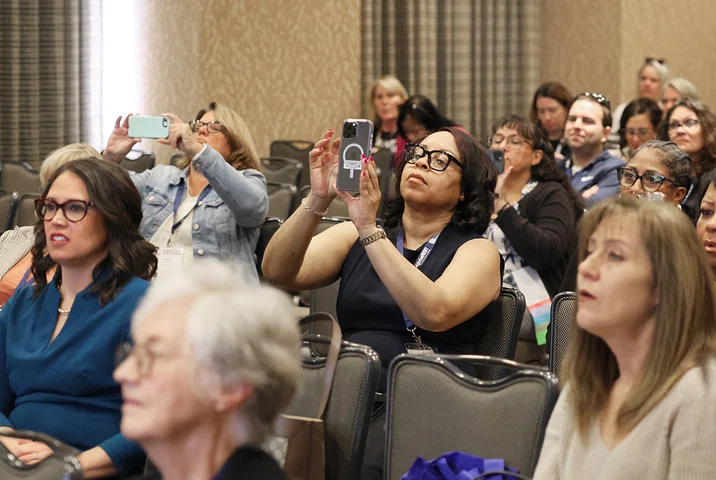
[(356, 140), (498, 158)]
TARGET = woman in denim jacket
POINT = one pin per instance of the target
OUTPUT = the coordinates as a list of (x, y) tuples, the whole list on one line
[(215, 203)]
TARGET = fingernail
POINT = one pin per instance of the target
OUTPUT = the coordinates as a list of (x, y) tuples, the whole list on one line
[(320, 149), (362, 156), (371, 159)]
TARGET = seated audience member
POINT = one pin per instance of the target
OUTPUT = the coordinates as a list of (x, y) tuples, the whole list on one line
[(639, 121), (591, 168), (387, 94), (58, 337), (418, 117), (706, 224), (675, 89), (650, 79), (550, 105), (536, 208), (657, 171), (635, 402), (692, 126), (213, 205), (419, 274), (214, 363), (15, 245)]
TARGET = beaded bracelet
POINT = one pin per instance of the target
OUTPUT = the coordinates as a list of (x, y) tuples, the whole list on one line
[(310, 210)]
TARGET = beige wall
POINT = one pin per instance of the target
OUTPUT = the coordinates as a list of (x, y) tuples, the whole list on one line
[(600, 46), (290, 69)]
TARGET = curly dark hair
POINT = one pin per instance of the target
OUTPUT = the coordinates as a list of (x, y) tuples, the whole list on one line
[(119, 204), (424, 112), (547, 169), (479, 177), (706, 158), (638, 107)]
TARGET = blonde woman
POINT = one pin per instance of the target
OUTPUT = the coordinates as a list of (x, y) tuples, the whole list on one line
[(15, 245), (635, 403), (215, 203), (386, 96)]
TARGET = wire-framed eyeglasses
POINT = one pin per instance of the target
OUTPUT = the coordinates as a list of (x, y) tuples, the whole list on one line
[(438, 160)]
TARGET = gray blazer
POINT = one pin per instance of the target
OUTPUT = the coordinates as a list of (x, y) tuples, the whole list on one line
[(14, 245)]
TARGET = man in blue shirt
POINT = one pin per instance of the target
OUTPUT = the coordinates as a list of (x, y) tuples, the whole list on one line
[(591, 168)]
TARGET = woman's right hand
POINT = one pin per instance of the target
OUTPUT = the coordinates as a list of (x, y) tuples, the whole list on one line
[(323, 164), (120, 143)]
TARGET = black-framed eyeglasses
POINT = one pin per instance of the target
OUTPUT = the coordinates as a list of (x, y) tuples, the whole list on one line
[(213, 126), (438, 160), (597, 97), (650, 181), (661, 61), (142, 354), (74, 210), (688, 124)]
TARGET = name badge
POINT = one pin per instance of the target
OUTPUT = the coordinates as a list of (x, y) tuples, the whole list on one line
[(169, 258), (420, 349)]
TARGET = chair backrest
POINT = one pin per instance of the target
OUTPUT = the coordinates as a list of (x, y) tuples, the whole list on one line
[(138, 161), (387, 191), (19, 177), (337, 208), (383, 159), (500, 339), (324, 299), (269, 227), (25, 215), (349, 406), (281, 197), (564, 307), (282, 170), (434, 408), (295, 149), (8, 205)]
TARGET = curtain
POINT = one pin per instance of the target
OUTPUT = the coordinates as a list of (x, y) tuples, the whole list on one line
[(50, 76), (476, 59)]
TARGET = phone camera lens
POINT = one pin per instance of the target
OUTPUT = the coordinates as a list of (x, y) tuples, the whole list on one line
[(164, 122), (350, 129)]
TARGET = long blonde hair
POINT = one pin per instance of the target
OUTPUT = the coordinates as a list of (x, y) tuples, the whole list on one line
[(684, 323), (243, 149), (68, 153)]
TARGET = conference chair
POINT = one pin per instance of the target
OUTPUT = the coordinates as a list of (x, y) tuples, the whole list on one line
[(564, 307), (282, 170), (138, 161), (25, 215), (349, 406), (281, 197), (434, 408), (295, 149), (8, 206), (19, 177), (268, 228)]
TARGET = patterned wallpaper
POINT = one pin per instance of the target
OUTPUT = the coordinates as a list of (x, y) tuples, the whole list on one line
[(290, 69), (601, 46)]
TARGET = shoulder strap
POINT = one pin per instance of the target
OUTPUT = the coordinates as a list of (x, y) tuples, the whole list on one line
[(331, 359)]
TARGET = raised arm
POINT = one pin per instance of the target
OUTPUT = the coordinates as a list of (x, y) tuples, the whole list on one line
[(119, 145), (296, 260)]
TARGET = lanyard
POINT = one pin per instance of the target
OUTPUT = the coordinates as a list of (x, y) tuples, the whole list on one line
[(424, 254), (25, 281), (177, 202)]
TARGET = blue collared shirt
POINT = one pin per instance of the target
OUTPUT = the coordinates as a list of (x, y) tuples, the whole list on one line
[(602, 172), (226, 224)]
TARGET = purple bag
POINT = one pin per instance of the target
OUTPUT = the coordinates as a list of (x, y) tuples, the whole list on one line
[(459, 466)]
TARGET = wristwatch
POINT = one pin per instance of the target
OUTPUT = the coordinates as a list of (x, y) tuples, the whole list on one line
[(374, 237)]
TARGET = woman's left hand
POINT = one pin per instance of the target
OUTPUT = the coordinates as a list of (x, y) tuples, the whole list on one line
[(500, 194), (364, 208), (30, 452), (181, 137)]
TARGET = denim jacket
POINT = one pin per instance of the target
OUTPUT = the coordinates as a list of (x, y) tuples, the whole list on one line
[(226, 224)]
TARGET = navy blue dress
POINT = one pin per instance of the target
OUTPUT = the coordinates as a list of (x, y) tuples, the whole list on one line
[(64, 388)]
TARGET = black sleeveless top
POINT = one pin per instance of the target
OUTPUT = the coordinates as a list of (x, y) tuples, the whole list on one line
[(368, 314)]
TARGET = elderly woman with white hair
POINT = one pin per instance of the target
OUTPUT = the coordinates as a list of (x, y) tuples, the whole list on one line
[(214, 364)]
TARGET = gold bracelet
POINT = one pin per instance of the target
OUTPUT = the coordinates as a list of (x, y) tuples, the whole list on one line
[(310, 210), (380, 233)]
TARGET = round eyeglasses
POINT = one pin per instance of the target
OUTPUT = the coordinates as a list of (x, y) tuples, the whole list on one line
[(650, 181), (213, 126), (74, 210), (438, 160)]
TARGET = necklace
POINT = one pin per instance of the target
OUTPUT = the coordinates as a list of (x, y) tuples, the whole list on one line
[(62, 311)]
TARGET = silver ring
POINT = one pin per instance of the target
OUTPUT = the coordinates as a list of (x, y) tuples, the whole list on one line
[(34, 456)]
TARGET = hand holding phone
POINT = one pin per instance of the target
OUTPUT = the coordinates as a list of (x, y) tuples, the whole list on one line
[(356, 140), (149, 127), (498, 158)]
